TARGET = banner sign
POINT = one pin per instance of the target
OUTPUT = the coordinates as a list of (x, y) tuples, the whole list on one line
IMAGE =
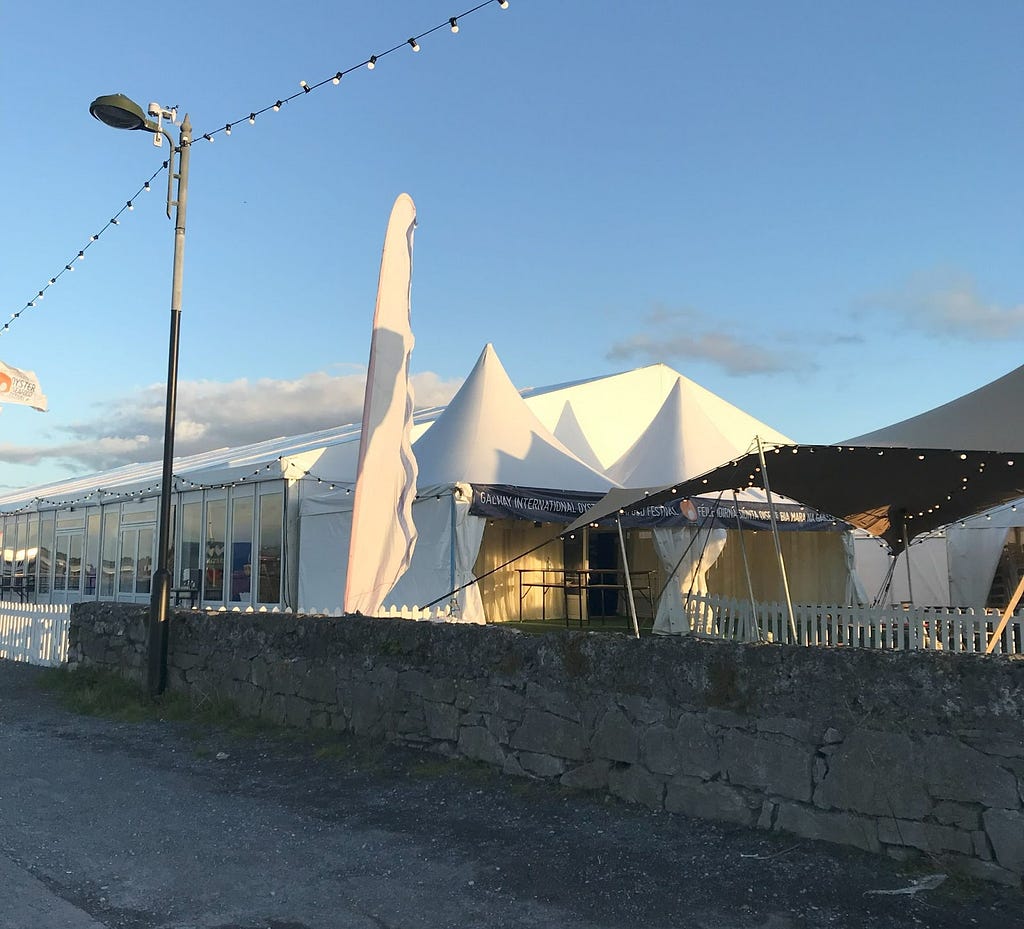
[(500, 501), (17, 386)]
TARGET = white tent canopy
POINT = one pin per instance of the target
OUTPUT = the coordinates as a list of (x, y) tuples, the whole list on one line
[(649, 424), (486, 435), (693, 432)]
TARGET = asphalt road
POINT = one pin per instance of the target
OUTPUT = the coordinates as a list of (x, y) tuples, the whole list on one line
[(164, 826)]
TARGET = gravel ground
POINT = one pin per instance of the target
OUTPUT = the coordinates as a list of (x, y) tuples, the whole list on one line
[(166, 826)]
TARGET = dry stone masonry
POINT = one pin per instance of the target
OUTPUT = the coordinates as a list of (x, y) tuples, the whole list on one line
[(901, 753)]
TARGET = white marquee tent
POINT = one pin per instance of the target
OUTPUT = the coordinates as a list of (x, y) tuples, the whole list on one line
[(583, 437)]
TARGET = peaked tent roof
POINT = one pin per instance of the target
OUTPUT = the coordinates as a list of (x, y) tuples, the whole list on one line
[(488, 435), (989, 418), (693, 432), (609, 411)]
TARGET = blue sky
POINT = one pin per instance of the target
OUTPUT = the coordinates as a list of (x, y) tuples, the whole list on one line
[(812, 208)]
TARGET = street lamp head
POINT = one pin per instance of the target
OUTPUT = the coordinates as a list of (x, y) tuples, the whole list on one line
[(121, 112)]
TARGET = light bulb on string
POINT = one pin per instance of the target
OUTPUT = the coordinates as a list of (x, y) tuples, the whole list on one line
[(81, 256), (453, 23)]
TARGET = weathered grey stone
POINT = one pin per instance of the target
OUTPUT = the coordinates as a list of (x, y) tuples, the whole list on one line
[(547, 734), (987, 871), (430, 687), (442, 720), (260, 673), (767, 816), (798, 729), (727, 718), (297, 712), (929, 837), (999, 746), (842, 828), (831, 736), (714, 800), (512, 767), (686, 749), (248, 698), (862, 777), (497, 726), (982, 846), (957, 814), (954, 771), (541, 765), (477, 743), (408, 720), (554, 701), (636, 784), (318, 685), (1005, 830), (366, 710), (660, 752), (508, 704), (615, 738), (644, 710), (820, 769), (590, 776), (274, 708), (779, 766)]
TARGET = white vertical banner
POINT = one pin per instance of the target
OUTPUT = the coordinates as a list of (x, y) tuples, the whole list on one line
[(17, 386), (383, 534)]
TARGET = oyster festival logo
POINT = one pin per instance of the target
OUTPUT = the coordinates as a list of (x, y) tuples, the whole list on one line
[(17, 386)]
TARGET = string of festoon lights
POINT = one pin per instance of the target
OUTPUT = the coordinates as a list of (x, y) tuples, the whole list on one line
[(100, 495), (305, 88)]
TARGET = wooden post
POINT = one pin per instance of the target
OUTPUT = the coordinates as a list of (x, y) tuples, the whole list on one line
[(1005, 618)]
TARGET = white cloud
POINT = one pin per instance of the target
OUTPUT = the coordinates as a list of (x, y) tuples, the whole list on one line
[(213, 414), (948, 304), (669, 334)]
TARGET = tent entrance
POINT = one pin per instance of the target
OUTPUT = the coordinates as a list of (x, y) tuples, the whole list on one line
[(603, 577)]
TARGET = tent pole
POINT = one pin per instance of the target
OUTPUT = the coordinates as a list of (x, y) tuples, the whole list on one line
[(453, 606), (1005, 618), (883, 590), (629, 581), (746, 569), (906, 555), (775, 536)]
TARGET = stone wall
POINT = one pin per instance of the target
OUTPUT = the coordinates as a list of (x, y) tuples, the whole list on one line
[(902, 753)]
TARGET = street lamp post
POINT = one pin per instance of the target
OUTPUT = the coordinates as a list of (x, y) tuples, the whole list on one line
[(120, 112)]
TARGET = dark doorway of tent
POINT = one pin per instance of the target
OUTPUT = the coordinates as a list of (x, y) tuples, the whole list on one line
[(603, 573)]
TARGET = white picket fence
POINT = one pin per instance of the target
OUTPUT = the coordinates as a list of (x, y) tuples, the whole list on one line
[(34, 633), (935, 628)]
